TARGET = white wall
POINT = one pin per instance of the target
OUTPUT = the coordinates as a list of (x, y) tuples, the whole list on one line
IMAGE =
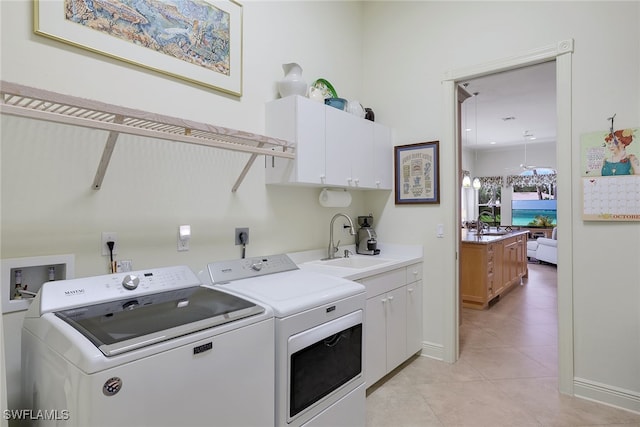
[(455, 35), (152, 187), (391, 56)]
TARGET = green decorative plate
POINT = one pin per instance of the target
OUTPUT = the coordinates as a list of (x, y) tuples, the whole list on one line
[(327, 89)]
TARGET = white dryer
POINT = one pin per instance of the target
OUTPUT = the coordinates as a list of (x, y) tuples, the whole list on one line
[(319, 338), (146, 348)]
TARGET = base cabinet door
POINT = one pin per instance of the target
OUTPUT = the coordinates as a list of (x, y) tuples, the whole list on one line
[(414, 317), (386, 334), (393, 320), (396, 312)]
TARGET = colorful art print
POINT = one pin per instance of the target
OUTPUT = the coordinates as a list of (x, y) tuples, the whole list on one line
[(417, 173), (607, 154), (199, 41)]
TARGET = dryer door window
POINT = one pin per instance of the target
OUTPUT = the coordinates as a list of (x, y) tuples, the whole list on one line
[(323, 359)]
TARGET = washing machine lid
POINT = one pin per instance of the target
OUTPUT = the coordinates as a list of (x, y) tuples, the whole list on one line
[(119, 326)]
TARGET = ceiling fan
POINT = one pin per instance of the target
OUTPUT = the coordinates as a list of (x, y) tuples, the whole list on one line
[(524, 166)]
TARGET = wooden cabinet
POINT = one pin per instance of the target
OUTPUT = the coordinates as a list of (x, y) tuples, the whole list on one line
[(515, 262), (393, 319), (488, 269), (334, 148), (479, 278)]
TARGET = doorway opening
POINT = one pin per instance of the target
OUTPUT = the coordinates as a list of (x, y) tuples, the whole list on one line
[(561, 53)]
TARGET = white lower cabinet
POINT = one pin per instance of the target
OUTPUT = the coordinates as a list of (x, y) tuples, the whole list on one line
[(414, 309), (393, 320)]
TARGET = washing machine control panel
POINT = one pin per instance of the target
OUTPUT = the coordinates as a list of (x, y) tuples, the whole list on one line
[(130, 281), (228, 271), (64, 294)]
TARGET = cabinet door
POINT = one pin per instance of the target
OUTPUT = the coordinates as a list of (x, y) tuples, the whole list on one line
[(495, 271), (522, 256), (341, 136), (362, 154), (382, 157), (302, 121), (396, 310), (414, 318), (510, 261), (375, 339)]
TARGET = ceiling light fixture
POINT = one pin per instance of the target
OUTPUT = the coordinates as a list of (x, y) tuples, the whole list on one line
[(466, 179), (476, 181)]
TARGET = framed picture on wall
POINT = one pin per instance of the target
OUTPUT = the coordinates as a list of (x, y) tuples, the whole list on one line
[(417, 170), (199, 41)]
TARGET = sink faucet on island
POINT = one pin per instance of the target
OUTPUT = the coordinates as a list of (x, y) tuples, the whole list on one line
[(482, 225), (331, 251)]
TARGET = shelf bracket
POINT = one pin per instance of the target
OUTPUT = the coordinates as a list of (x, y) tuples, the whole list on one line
[(106, 154), (245, 170)]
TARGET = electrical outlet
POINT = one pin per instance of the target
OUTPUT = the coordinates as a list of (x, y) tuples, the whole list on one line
[(109, 236), (242, 230), (184, 235)]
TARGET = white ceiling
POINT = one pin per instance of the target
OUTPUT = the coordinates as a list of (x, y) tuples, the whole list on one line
[(510, 104)]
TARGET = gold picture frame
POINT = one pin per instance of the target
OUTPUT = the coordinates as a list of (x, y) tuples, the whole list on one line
[(199, 41), (417, 173)]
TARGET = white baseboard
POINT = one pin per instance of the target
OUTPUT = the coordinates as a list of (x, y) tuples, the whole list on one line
[(608, 395), (434, 351)]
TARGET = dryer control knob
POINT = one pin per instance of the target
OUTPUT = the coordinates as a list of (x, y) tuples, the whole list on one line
[(130, 282), (257, 266)]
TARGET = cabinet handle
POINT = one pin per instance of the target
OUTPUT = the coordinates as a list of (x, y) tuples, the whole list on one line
[(390, 299), (415, 272), (322, 178), (410, 289), (357, 181), (383, 300)]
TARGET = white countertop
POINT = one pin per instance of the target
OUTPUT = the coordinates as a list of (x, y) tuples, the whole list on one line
[(391, 256)]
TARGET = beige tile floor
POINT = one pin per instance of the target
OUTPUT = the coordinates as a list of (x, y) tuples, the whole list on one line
[(506, 374)]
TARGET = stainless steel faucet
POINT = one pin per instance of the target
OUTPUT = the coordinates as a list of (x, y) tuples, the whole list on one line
[(481, 224), (331, 251)]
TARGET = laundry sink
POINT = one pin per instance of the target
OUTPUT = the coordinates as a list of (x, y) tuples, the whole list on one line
[(353, 262)]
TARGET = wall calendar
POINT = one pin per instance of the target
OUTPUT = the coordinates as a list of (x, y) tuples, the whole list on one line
[(610, 172)]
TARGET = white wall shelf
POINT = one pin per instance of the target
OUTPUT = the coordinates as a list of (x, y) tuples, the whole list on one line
[(39, 104)]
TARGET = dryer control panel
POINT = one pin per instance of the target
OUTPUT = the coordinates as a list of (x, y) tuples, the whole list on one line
[(237, 269)]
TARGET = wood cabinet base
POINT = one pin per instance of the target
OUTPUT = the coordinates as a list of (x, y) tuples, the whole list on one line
[(488, 270)]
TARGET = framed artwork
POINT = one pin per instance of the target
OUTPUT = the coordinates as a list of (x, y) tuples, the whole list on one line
[(199, 41), (417, 170)]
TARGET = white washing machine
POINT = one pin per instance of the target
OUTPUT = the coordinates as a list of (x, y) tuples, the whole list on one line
[(319, 346), (146, 348)]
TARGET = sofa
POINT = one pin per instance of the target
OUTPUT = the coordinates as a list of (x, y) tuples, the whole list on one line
[(544, 249)]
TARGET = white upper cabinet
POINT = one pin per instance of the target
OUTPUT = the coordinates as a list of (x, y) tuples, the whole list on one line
[(382, 156), (333, 148)]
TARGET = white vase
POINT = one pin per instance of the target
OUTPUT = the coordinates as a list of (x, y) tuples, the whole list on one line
[(292, 83)]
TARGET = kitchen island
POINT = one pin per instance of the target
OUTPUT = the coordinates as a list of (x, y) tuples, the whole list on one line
[(490, 265)]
